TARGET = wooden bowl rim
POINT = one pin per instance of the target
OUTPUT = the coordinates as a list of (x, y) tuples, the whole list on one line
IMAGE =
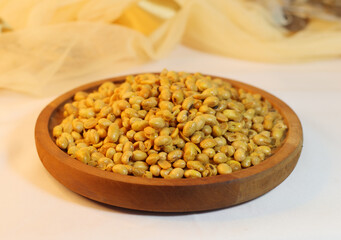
[(292, 140)]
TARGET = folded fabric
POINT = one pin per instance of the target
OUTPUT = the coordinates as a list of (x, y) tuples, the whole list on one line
[(53, 44)]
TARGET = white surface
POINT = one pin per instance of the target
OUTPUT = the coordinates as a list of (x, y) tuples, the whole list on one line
[(33, 205)]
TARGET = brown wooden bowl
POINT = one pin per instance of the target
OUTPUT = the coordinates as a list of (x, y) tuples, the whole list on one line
[(166, 195)]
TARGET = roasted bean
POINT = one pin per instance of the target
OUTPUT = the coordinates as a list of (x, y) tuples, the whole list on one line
[(126, 157), (103, 122), (119, 147), (165, 172), (138, 172), (103, 163), (113, 132), (200, 122), (152, 158), (98, 105), (165, 131), (128, 146), (236, 136), (78, 125), (255, 160), (67, 124), (228, 150), (260, 155), (211, 101), (136, 100), (130, 112), (176, 173), (110, 153), (163, 155), (190, 151), (92, 136), (179, 142), (210, 152), (196, 165), (264, 149), (83, 155), (246, 162), (220, 158), (188, 103), (239, 144), (210, 170), (57, 131), (147, 174), (235, 126), (207, 130), (166, 105), (189, 128), (203, 84), (157, 123), (149, 103), (210, 119), (155, 170), (221, 117), (106, 111), (140, 136), (165, 115), (268, 121), (204, 109), (95, 156), (235, 165), (224, 168), (120, 168), (238, 106), (164, 164), (190, 84), (62, 142), (139, 155), (174, 155), (141, 113), (191, 173), (197, 137), (175, 133), (165, 94), (216, 131), (162, 140), (221, 141), (86, 112), (179, 164), (139, 125), (122, 104), (233, 115), (261, 140), (208, 143), (141, 164), (80, 96), (203, 158), (178, 97), (239, 154), (182, 116)]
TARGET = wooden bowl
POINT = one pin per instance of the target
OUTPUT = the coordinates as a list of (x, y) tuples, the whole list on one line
[(166, 195)]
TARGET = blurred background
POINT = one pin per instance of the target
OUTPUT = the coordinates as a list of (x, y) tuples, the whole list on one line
[(44, 42)]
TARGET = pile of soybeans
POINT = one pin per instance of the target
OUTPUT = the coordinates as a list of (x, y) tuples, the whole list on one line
[(170, 125)]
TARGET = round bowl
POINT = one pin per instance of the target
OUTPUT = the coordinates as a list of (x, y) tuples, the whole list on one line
[(167, 195)]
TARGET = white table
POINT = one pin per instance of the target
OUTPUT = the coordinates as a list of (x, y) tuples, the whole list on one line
[(307, 205)]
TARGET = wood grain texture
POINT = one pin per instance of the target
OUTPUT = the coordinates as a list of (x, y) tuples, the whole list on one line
[(166, 195)]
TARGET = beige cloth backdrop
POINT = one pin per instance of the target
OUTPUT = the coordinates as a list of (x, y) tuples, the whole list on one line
[(54, 41)]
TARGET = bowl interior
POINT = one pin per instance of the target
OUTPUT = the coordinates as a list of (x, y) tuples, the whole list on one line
[(278, 155)]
